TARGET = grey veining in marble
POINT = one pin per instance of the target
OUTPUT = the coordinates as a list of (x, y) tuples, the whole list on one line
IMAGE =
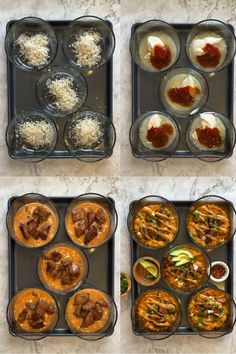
[(58, 10), (51, 187), (172, 188), (180, 11)]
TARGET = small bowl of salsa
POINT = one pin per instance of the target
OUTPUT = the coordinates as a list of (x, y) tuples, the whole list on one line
[(219, 271)]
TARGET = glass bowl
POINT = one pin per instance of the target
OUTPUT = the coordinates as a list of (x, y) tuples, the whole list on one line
[(179, 269), (102, 139), (226, 210), (139, 47), (76, 87), (173, 79), (99, 201), (22, 201), (92, 334), (105, 44), (139, 327), (142, 148), (17, 144), (145, 202), (69, 253), (214, 153), (30, 26), (225, 328), (210, 28), (13, 308)]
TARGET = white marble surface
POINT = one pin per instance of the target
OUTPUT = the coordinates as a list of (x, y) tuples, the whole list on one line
[(173, 189), (57, 10), (178, 11), (51, 187)]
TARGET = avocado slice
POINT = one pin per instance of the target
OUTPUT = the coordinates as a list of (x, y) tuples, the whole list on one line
[(180, 251), (182, 262), (150, 267), (180, 257)]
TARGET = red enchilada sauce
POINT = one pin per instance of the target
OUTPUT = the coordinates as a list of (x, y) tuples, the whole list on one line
[(183, 95), (218, 271), (159, 136), (209, 137), (211, 58), (160, 56)]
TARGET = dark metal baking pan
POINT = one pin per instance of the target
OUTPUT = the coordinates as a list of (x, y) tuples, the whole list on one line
[(21, 90), (23, 267), (145, 90), (224, 253)]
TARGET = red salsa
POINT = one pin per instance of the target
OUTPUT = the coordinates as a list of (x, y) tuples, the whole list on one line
[(211, 58), (218, 271), (209, 137), (159, 136), (160, 56), (183, 95)]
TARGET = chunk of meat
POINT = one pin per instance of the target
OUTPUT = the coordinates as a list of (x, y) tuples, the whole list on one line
[(102, 303), (51, 268), (80, 228), (37, 324), (90, 234), (22, 316), (81, 299), (66, 279), (23, 229), (31, 305), (74, 270), (91, 216), (88, 320), (54, 256), (32, 226), (97, 312), (78, 214), (41, 214), (100, 216), (41, 309), (44, 231), (51, 309), (88, 306)]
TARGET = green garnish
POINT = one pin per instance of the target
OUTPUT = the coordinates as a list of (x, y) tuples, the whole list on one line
[(123, 284)]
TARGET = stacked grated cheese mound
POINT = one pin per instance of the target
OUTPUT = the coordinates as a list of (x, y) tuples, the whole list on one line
[(37, 134), (34, 49), (87, 133)]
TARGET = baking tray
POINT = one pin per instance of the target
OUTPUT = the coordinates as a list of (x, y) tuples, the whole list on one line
[(21, 90), (23, 267), (224, 253), (145, 90)]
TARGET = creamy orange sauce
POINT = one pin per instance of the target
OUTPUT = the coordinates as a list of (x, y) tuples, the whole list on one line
[(33, 295), (102, 233), (24, 215), (75, 322), (67, 254)]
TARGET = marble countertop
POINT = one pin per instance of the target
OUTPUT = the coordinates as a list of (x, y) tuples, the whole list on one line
[(170, 188), (179, 11), (58, 10), (52, 187)]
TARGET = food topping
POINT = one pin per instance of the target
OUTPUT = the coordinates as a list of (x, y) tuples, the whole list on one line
[(34, 48), (159, 53), (218, 271), (155, 225), (209, 225), (88, 224), (63, 93), (87, 133), (211, 58), (209, 137), (62, 269), (159, 136), (157, 311), (123, 283), (185, 93), (87, 48), (209, 309), (184, 268), (150, 270), (37, 134), (34, 310)]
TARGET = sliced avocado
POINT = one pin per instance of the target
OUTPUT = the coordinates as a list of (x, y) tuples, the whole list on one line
[(183, 261), (150, 267), (180, 251), (180, 258)]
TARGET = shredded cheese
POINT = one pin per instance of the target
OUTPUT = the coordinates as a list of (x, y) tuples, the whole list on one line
[(34, 48), (87, 132), (37, 134), (63, 93), (87, 49)]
